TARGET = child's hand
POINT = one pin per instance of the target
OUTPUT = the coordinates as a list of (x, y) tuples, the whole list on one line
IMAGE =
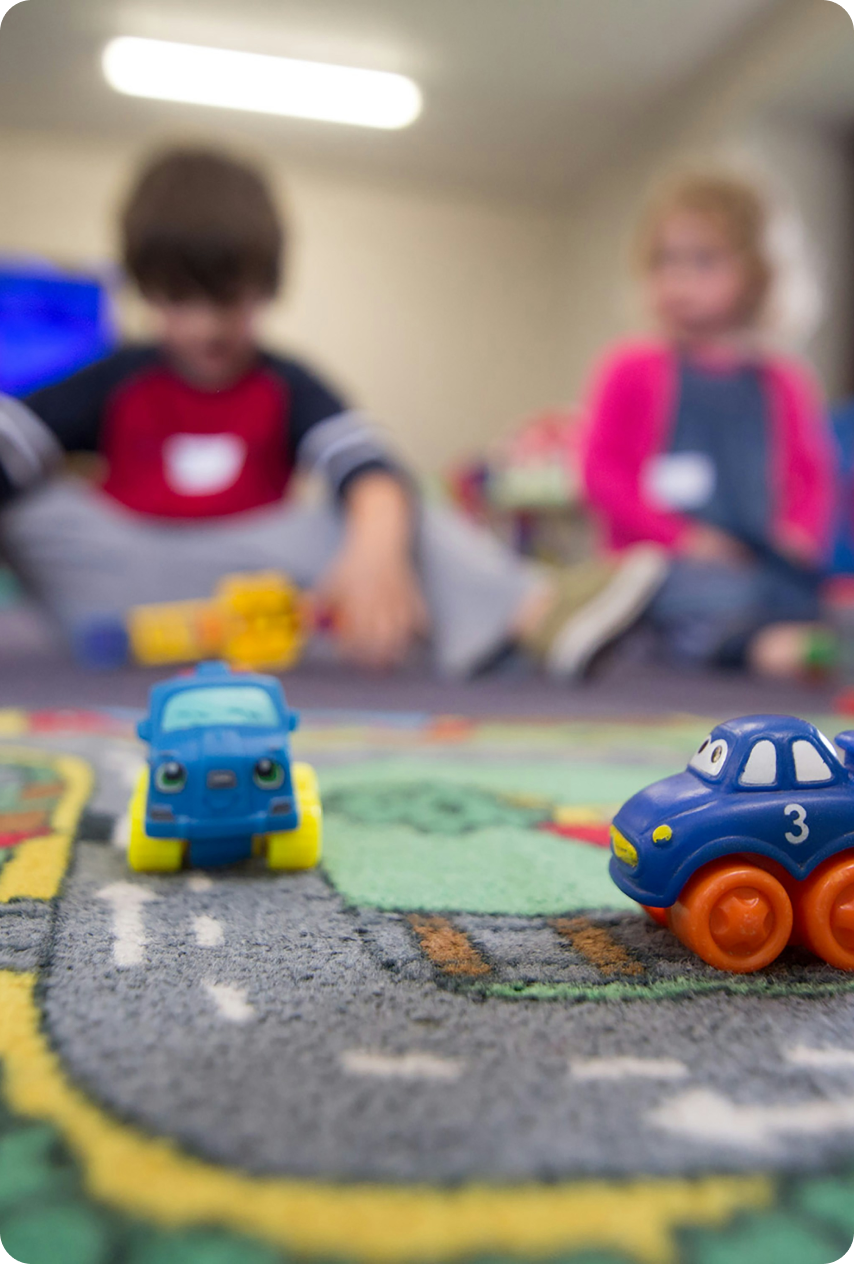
[(371, 589), (797, 546), (376, 606), (704, 543)]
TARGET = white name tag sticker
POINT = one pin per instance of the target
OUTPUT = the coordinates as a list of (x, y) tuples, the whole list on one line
[(679, 480), (203, 464)]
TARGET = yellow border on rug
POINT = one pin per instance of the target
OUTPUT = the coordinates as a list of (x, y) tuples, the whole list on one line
[(37, 867), (150, 1178)]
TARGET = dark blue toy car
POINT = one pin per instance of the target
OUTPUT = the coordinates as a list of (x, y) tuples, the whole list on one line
[(749, 849), (219, 785)]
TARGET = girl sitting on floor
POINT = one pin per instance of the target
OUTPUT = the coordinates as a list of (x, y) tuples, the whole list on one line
[(707, 443)]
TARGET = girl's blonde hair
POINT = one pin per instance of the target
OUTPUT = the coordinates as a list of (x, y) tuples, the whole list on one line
[(736, 207)]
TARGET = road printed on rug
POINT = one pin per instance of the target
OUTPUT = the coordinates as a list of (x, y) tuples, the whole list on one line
[(333, 1077)]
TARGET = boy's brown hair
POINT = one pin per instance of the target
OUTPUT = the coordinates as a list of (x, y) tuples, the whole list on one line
[(736, 207), (201, 224)]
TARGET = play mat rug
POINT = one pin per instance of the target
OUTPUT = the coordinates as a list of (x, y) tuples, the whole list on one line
[(455, 1042)]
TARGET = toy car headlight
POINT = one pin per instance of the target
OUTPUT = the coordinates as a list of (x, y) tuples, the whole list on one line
[(662, 836), (623, 849), (268, 774), (170, 777)]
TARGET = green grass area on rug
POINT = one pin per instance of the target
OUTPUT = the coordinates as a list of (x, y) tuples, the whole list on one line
[(429, 833)]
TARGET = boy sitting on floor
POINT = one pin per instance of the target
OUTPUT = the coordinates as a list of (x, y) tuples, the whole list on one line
[(201, 433)]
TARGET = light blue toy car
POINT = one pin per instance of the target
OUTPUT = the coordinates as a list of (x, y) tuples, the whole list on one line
[(219, 785)]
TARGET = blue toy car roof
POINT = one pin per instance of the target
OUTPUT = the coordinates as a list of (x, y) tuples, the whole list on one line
[(780, 727)]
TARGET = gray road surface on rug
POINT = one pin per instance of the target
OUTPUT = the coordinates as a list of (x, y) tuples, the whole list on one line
[(263, 1022)]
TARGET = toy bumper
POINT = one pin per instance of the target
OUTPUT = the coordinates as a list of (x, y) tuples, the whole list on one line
[(194, 829), (622, 877)]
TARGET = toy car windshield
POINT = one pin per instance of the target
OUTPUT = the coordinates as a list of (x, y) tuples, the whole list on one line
[(244, 706)]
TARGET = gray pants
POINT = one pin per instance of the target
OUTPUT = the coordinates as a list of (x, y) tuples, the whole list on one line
[(83, 556)]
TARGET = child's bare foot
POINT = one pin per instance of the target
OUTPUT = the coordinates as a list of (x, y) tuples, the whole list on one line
[(789, 651)]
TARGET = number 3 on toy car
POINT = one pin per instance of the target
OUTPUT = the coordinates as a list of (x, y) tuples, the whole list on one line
[(799, 816)]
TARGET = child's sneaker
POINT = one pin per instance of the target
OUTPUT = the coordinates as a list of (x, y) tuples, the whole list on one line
[(597, 601)]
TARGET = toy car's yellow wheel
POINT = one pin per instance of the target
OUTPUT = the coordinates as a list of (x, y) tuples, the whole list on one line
[(300, 848), (825, 912), (146, 854), (734, 915)]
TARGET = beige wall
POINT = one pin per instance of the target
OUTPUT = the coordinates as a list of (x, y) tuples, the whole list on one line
[(815, 170), (437, 312), (441, 314)]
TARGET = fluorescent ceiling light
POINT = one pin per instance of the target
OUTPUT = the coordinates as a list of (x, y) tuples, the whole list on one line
[(254, 81)]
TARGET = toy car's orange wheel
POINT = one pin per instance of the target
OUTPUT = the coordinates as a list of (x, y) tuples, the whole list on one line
[(657, 915), (790, 885), (734, 915), (826, 911)]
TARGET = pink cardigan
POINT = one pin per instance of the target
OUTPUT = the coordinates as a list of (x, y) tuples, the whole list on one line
[(631, 411)]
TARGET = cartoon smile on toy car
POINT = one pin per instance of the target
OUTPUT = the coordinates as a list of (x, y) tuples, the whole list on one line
[(749, 849), (219, 785)]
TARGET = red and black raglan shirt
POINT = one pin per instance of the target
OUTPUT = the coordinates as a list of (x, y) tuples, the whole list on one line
[(174, 450)]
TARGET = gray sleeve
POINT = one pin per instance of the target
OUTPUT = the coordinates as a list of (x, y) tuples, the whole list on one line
[(343, 447), (29, 450)]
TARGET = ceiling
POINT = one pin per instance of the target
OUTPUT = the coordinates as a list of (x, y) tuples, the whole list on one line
[(520, 95)]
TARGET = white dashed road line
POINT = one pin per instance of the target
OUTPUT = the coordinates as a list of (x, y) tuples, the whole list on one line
[(230, 1001), (821, 1059), (208, 931), (120, 835), (126, 764), (628, 1069), (127, 900), (403, 1066), (708, 1116)]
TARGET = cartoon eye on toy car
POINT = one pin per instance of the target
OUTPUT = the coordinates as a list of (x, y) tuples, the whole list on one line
[(219, 785), (751, 848)]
